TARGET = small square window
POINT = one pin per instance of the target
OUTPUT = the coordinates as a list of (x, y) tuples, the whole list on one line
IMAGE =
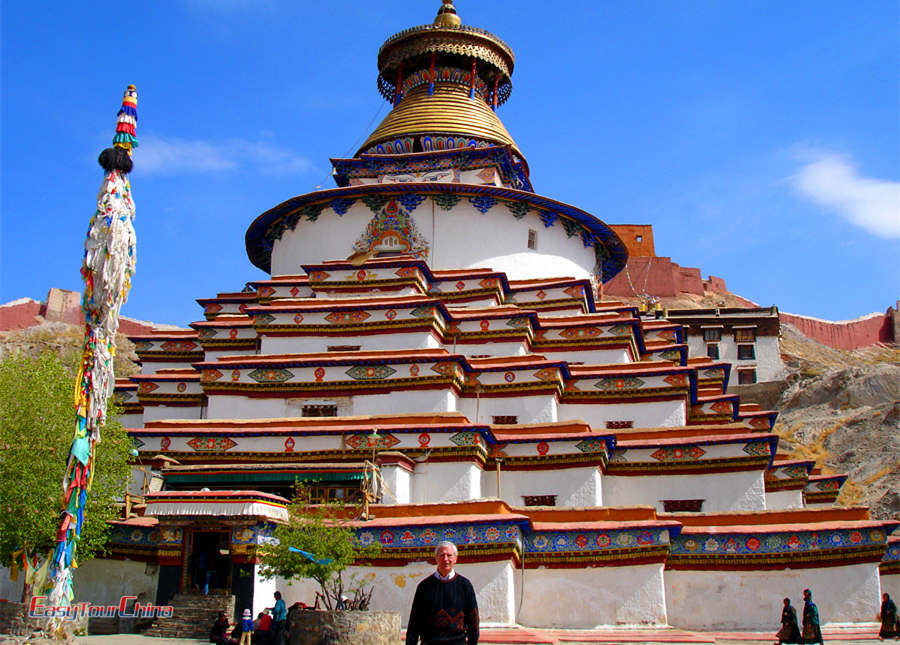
[(639, 238), (505, 419), (746, 352), (745, 335), (746, 377), (712, 335), (326, 410), (712, 350), (532, 239), (619, 425)]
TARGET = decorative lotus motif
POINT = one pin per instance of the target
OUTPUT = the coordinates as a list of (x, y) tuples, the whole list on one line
[(178, 346), (370, 372), (466, 438), (211, 444), (613, 383), (347, 317), (270, 375), (757, 449), (372, 440), (678, 453)]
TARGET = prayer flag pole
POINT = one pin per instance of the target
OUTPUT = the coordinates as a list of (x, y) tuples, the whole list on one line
[(109, 261)]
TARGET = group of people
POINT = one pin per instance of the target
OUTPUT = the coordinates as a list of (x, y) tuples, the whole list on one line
[(810, 632), (269, 628)]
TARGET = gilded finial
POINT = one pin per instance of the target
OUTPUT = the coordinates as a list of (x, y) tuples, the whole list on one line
[(446, 16)]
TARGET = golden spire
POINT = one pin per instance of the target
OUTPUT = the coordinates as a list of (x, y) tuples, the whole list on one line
[(446, 15)]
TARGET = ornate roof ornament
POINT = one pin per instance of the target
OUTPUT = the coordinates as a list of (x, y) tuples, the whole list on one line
[(444, 78), (446, 15)]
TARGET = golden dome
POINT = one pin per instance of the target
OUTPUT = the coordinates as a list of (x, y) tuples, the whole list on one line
[(448, 111)]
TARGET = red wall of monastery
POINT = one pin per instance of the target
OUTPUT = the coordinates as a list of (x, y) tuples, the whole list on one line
[(847, 334), (656, 276), (638, 238), (60, 306), (20, 315)]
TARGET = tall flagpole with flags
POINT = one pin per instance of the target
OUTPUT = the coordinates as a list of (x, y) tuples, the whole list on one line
[(109, 261)]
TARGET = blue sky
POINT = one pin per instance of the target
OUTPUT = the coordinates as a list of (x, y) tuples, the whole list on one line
[(760, 139)]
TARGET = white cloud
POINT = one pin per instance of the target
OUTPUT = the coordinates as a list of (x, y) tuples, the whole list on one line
[(833, 181), (158, 155)]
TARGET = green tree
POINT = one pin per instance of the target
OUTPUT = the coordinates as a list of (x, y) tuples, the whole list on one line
[(37, 422), (324, 532)]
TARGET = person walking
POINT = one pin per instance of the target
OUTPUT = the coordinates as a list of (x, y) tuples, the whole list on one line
[(790, 628), (444, 609), (812, 632), (890, 628)]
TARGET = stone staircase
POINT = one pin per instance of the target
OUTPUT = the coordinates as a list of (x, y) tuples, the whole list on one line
[(194, 615)]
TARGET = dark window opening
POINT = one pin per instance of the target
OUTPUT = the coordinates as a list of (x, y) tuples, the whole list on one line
[(334, 494), (682, 505), (532, 239), (712, 335), (539, 500), (746, 377), (745, 335), (343, 348), (619, 425), (712, 350), (746, 352), (505, 419), (326, 410)]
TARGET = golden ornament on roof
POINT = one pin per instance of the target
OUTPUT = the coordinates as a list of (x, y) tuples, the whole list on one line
[(445, 81), (446, 16)]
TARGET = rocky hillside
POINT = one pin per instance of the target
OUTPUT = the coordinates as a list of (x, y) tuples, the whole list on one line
[(842, 408), (65, 339)]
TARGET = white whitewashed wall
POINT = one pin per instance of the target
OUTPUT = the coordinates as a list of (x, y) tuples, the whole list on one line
[(589, 597), (644, 414), (740, 491), (573, 486), (783, 499), (458, 239), (753, 599)]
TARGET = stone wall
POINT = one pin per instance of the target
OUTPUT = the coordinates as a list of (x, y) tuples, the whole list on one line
[(14, 620), (194, 615), (308, 626)]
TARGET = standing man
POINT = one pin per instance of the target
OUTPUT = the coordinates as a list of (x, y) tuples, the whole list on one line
[(812, 632), (279, 619), (444, 609)]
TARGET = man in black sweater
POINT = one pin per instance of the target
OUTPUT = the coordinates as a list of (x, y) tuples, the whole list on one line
[(444, 609)]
